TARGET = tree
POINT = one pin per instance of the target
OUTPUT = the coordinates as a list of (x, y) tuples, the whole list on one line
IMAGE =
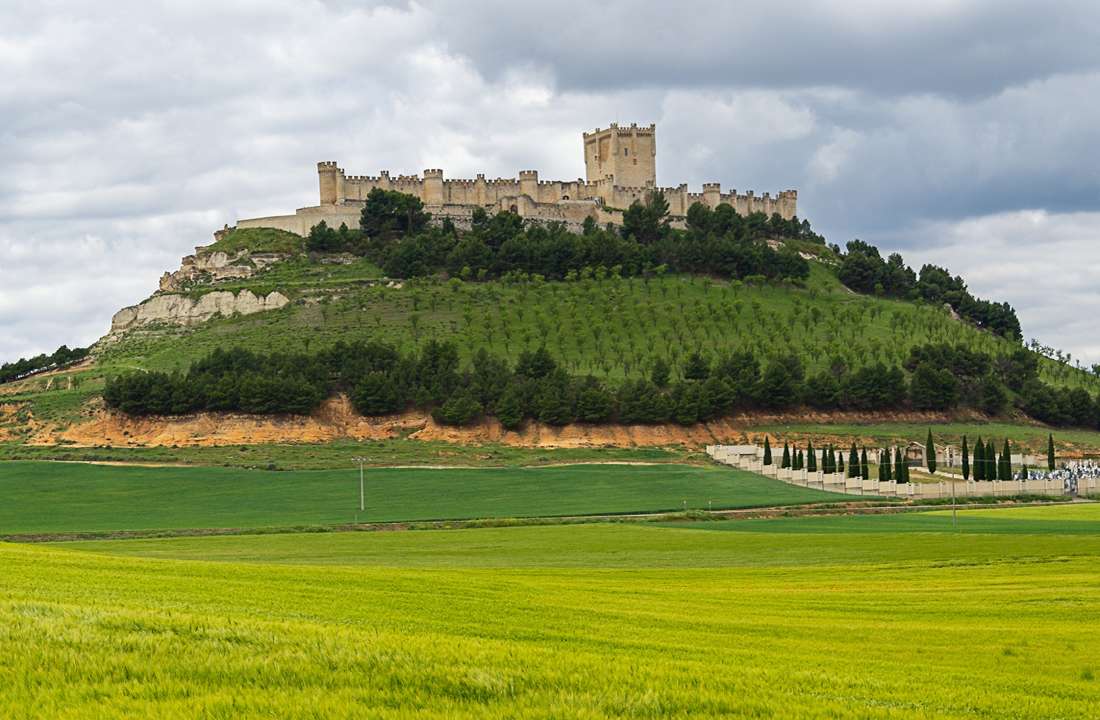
[(1050, 452), (901, 469), (767, 451), (839, 463), (965, 460), (646, 223), (510, 407), (1006, 462), (696, 367), (884, 471), (460, 409), (811, 457), (800, 460), (864, 466), (377, 394), (930, 453), (854, 468), (785, 462), (388, 214), (979, 460), (660, 373)]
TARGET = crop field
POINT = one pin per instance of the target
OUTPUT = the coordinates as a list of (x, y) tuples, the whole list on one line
[(562, 622), (49, 497)]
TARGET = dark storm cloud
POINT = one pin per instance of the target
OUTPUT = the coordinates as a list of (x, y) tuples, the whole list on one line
[(961, 132), (881, 46)]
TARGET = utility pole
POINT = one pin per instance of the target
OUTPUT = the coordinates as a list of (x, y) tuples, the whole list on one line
[(362, 493)]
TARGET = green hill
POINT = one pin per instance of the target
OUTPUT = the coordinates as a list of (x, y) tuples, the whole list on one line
[(611, 324)]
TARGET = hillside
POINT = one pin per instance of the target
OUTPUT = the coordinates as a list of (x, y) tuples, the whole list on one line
[(610, 324)]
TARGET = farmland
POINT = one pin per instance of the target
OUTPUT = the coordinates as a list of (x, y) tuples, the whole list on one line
[(586, 621), (70, 497)]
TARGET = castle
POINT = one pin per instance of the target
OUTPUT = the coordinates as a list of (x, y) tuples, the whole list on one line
[(620, 167)]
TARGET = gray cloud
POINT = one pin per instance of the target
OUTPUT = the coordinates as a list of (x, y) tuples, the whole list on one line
[(127, 135)]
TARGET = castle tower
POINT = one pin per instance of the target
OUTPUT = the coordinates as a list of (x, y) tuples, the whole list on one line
[(332, 183), (433, 187), (712, 194), (529, 184), (629, 155)]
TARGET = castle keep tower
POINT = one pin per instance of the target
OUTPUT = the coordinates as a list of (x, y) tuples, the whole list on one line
[(627, 155)]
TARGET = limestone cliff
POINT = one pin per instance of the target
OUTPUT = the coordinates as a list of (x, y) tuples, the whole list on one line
[(207, 266), (184, 310)]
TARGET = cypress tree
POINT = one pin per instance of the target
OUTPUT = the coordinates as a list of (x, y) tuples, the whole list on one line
[(1006, 461), (979, 460), (786, 461), (801, 460), (864, 466), (767, 451), (811, 457), (884, 465), (992, 462), (1050, 452), (966, 461), (930, 453), (853, 462), (899, 466)]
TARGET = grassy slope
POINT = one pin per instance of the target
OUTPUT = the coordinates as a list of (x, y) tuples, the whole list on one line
[(58, 497), (609, 328), (597, 621)]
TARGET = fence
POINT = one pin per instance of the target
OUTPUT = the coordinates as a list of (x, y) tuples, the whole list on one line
[(751, 458)]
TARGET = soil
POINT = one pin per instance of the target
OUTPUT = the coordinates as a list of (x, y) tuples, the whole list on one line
[(337, 419)]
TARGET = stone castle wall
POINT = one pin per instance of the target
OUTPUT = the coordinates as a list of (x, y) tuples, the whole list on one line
[(620, 165)]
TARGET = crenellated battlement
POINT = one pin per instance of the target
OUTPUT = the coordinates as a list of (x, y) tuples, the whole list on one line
[(620, 168)]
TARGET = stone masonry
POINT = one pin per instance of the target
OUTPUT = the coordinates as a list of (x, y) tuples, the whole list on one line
[(620, 168)]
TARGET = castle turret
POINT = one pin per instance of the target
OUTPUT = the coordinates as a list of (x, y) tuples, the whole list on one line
[(529, 183), (433, 187), (332, 183), (712, 194)]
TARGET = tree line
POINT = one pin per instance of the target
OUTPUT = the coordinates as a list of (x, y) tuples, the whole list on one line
[(63, 355), (863, 269), (395, 232), (379, 379)]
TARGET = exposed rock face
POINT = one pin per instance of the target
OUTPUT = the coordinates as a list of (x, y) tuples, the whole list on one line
[(182, 310), (208, 267)]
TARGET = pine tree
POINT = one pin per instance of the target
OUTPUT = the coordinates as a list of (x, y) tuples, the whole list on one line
[(853, 462), (979, 460), (811, 457), (1050, 452), (786, 461), (966, 461), (864, 466), (767, 451), (930, 453)]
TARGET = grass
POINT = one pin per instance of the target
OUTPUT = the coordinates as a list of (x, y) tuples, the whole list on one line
[(557, 622), (610, 328), (60, 497), (339, 454), (258, 240)]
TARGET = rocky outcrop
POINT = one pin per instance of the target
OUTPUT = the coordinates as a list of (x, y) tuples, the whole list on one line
[(184, 310), (210, 267)]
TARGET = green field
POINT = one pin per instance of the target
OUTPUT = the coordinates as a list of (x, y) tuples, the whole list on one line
[(45, 497), (562, 622)]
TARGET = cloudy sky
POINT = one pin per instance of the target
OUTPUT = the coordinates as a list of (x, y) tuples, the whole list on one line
[(964, 133)]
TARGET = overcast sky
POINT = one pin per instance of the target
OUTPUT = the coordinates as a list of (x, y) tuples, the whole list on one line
[(960, 133)]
